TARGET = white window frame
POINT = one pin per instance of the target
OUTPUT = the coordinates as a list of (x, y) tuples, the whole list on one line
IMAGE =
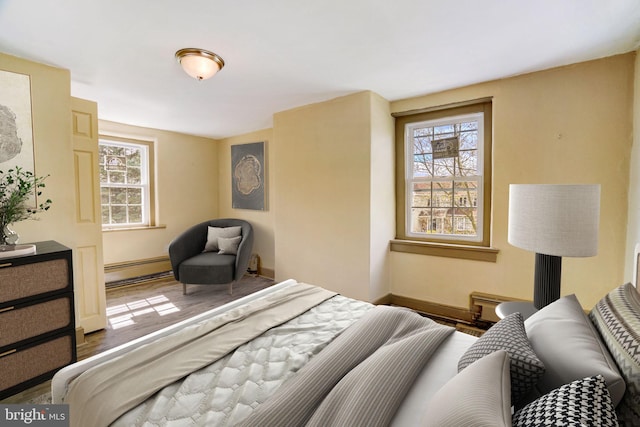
[(479, 177), (145, 181)]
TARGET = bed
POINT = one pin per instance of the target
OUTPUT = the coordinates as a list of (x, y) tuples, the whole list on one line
[(297, 354)]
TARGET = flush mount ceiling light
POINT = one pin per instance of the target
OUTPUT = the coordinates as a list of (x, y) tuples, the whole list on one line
[(199, 63)]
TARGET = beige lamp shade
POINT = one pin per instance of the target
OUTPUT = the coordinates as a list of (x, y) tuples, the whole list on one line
[(198, 63), (555, 219)]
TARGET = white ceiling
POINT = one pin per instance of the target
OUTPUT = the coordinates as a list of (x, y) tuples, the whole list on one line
[(281, 54)]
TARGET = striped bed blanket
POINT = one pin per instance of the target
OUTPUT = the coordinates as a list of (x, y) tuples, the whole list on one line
[(359, 379)]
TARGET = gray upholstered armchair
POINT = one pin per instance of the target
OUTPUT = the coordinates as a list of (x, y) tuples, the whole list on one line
[(197, 258)]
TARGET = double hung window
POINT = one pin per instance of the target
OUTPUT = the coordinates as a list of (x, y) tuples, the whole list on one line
[(125, 182), (445, 175)]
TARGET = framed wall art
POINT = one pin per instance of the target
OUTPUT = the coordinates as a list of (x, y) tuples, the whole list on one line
[(16, 130), (247, 176)]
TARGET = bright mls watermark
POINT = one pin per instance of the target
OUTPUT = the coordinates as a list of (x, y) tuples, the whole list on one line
[(34, 415)]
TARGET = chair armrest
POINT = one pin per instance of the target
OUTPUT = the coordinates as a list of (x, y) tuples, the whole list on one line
[(244, 251), (191, 242)]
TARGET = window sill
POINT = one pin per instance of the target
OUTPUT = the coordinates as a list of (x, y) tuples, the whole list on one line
[(146, 227), (476, 253)]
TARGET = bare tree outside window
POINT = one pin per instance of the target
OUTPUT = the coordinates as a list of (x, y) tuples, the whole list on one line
[(445, 191)]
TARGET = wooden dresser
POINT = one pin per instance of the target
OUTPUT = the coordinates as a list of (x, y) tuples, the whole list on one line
[(37, 319)]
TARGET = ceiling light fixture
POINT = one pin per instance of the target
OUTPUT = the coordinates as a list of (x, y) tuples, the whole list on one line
[(199, 63)]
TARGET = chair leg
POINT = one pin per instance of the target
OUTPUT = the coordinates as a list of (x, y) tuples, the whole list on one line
[(184, 289), (231, 288)]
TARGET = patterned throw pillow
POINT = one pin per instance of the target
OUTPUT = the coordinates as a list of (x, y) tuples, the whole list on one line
[(509, 334), (584, 402), (617, 319)]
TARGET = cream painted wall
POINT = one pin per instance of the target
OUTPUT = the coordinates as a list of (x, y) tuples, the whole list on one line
[(564, 125), (382, 196), (186, 185), (53, 156), (322, 202), (633, 222), (51, 117), (262, 221), (571, 124)]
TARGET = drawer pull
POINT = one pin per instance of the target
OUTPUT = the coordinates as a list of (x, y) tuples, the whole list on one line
[(6, 309), (6, 353), (6, 264)]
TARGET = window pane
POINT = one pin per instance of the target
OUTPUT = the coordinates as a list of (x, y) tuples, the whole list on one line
[(422, 145), (469, 140), (118, 196), (133, 176), (417, 132), (423, 165), (443, 131), (135, 214), (421, 195), (441, 221), (133, 157), (442, 194), (443, 167), (115, 163), (105, 214), (134, 196), (118, 214), (104, 196), (115, 177), (421, 220), (465, 220), (466, 193), (467, 163)]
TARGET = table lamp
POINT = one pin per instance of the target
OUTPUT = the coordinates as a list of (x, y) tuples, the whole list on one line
[(553, 220)]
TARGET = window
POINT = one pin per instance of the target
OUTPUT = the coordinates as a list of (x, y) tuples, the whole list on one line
[(444, 175), (126, 191)]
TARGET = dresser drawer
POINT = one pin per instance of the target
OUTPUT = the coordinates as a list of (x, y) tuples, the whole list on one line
[(21, 281), (36, 363), (27, 321)]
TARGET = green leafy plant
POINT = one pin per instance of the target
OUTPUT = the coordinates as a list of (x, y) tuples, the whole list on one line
[(16, 187)]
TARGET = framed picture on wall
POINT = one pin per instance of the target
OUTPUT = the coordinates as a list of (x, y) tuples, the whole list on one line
[(247, 176), (16, 130)]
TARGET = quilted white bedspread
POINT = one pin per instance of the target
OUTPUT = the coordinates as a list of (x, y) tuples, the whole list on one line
[(225, 392)]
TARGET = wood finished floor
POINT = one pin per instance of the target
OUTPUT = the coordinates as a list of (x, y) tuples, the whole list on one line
[(136, 310)]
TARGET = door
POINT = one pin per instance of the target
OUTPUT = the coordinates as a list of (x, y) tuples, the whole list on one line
[(88, 259)]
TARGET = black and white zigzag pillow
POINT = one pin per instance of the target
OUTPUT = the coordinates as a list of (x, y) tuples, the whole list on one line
[(584, 403), (509, 334)]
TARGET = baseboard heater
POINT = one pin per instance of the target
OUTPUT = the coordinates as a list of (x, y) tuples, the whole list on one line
[(123, 273), (481, 312)]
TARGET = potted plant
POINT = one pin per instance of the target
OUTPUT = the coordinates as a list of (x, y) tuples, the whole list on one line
[(16, 187)]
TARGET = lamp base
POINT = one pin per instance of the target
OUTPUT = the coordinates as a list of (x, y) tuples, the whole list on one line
[(546, 288)]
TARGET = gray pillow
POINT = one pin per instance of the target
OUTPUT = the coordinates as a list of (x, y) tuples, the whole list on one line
[(565, 340), (584, 402), (480, 395), (214, 232), (229, 245), (509, 334)]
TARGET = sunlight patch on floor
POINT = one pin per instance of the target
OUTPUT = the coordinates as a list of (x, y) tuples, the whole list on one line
[(123, 315)]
